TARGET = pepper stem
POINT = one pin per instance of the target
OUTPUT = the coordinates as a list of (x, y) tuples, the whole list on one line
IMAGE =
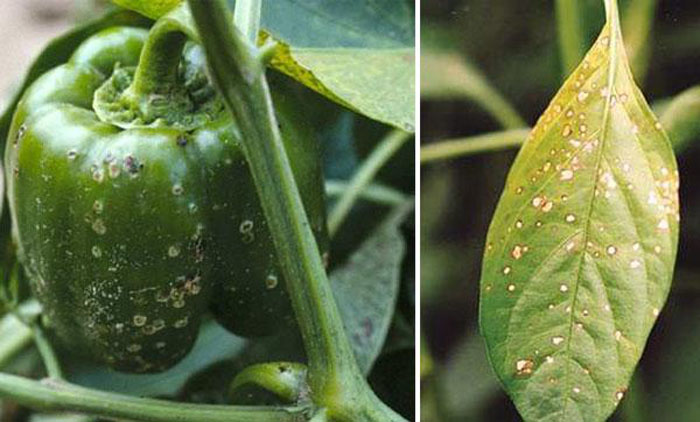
[(335, 381), (152, 95), (158, 65)]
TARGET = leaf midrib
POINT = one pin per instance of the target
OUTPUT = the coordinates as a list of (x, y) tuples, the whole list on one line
[(612, 70)]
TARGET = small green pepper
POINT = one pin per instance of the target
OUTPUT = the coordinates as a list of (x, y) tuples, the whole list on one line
[(133, 206)]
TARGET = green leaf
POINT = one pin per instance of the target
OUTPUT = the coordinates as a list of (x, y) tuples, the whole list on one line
[(60, 49), (378, 83), (333, 24), (358, 54), (467, 361), (366, 288), (340, 157), (581, 249), (15, 334), (151, 8)]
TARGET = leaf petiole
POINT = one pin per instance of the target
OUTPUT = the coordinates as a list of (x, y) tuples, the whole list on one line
[(374, 192), (364, 175), (48, 356)]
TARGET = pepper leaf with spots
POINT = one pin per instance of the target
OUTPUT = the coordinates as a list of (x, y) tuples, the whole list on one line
[(581, 249)]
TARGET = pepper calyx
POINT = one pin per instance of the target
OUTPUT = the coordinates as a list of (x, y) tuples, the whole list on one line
[(177, 106)]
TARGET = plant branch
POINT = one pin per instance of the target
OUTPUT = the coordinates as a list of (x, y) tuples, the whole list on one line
[(363, 176), (335, 380), (48, 356), (55, 394), (58, 395), (448, 75), (247, 96), (489, 142), (680, 117), (374, 192)]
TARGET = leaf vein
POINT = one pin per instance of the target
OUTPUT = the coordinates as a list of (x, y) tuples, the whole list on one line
[(605, 129)]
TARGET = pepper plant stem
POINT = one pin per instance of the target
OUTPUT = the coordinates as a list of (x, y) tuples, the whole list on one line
[(363, 176), (247, 95), (335, 380)]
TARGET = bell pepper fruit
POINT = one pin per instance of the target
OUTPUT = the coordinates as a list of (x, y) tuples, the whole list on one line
[(133, 207)]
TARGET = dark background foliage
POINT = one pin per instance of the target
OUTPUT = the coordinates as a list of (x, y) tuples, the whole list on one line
[(514, 43)]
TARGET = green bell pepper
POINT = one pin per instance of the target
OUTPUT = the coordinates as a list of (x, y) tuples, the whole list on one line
[(132, 203)]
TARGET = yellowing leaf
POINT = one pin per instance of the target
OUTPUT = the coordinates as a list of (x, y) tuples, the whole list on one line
[(378, 83), (357, 53), (581, 249)]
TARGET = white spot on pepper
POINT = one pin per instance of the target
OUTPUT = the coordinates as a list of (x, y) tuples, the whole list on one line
[(173, 251), (99, 226)]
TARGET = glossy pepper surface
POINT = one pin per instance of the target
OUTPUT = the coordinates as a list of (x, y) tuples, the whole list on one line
[(133, 207)]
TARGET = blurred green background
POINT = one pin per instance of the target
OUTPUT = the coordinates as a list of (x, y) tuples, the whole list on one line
[(477, 48)]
